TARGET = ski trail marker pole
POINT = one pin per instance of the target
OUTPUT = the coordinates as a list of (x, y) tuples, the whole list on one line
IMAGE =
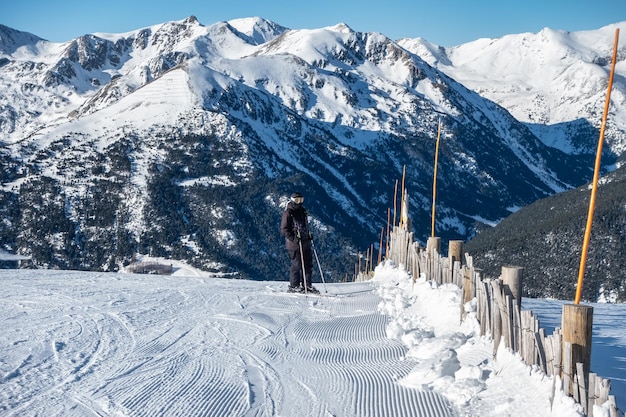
[(596, 175), (435, 178)]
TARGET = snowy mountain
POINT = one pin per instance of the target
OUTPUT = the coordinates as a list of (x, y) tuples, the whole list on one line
[(553, 81), (183, 141)]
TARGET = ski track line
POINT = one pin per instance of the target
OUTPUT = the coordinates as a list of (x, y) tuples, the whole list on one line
[(74, 354), (144, 357), (263, 383), (185, 385), (204, 392), (345, 367)]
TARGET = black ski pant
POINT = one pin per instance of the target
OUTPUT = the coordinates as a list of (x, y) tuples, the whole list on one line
[(295, 271)]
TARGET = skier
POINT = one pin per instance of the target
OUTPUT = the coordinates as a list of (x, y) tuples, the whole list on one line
[(294, 226)]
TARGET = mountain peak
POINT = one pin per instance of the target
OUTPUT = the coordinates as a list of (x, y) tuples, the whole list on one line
[(341, 27), (192, 20), (257, 29), (12, 39)]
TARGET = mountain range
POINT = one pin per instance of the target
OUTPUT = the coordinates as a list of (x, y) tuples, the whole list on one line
[(184, 141)]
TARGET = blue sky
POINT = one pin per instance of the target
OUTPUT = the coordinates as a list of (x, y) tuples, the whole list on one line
[(444, 22)]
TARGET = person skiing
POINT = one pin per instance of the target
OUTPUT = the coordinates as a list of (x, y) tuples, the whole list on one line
[(294, 226)]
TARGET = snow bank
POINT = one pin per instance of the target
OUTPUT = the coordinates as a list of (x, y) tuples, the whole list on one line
[(454, 360)]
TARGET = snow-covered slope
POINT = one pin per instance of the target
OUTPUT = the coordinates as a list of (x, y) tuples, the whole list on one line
[(120, 344), (553, 81)]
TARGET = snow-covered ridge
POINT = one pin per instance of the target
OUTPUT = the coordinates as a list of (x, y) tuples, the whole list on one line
[(11, 40), (539, 78), (546, 79)]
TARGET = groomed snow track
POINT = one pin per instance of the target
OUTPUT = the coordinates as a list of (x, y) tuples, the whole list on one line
[(138, 345)]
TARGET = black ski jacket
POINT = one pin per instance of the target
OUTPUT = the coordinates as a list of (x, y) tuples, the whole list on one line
[(295, 219)]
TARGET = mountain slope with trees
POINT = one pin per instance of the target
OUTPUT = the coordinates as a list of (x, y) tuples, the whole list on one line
[(546, 237)]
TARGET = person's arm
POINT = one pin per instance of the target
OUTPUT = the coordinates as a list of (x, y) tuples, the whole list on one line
[(286, 226)]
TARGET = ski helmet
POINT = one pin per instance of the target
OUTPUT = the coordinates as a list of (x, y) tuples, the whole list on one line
[(297, 198)]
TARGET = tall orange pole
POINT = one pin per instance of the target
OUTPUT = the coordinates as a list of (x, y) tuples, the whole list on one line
[(596, 175), (435, 178), (402, 193)]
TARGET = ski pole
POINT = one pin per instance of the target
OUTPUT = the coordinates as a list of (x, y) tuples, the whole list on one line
[(316, 257), (319, 266), (302, 263)]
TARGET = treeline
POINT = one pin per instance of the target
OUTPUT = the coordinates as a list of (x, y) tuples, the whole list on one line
[(87, 218), (546, 239)]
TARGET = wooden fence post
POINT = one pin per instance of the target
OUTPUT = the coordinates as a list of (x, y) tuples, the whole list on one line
[(467, 285), (433, 249), (455, 254), (476, 276), (495, 288), (512, 279), (577, 323), (433, 244), (455, 251)]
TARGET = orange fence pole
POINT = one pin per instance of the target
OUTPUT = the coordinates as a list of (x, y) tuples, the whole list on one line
[(435, 178), (596, 175), (402, 194)]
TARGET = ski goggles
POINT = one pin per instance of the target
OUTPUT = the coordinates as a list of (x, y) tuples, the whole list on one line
[(298, 200)]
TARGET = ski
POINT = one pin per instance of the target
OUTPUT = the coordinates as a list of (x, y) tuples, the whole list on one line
[(298, 293)]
